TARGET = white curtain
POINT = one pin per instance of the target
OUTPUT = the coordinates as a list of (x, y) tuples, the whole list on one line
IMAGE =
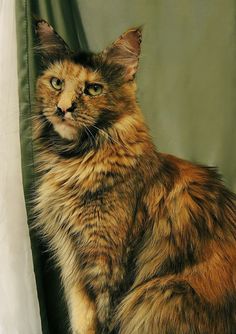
[(19, 310)]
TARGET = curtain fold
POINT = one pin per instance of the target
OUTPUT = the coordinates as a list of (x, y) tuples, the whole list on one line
[(186, 88), (19, 309)]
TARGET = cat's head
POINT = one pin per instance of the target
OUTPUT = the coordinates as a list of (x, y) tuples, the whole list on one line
[(83, 92)]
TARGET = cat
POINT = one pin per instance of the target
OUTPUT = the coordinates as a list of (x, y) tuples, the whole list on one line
[(145, 241)]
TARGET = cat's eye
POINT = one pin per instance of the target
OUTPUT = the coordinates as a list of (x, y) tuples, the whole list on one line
[(56, 83), (93, 89)]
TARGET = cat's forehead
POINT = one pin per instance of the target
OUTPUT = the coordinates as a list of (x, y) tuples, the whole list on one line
[(66, 69)]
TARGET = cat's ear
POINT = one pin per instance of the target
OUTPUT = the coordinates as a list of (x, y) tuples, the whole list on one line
[(50, 44), (125, 51)]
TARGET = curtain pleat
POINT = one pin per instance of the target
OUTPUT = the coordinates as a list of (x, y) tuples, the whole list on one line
[(19, 309)]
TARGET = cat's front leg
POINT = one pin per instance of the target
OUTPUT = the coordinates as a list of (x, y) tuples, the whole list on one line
[(103, 277), (82, 311)]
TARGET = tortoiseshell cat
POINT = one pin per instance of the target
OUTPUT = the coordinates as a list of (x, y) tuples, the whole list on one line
[(146, 242)]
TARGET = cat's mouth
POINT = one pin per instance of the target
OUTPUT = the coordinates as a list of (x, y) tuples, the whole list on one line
[(66, 130), (66, 118), (68, 122), (65, 126)]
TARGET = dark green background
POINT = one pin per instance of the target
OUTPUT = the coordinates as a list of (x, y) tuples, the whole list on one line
[(186, 87)]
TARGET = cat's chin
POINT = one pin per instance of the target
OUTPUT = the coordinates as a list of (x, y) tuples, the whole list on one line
[(66, 131)]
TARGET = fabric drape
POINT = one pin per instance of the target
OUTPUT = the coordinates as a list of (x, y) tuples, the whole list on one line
[(19, 309), (186, 88)]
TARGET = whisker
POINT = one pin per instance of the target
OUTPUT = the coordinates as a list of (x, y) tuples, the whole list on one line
[(109, 136), (88, 134), (84, 118)]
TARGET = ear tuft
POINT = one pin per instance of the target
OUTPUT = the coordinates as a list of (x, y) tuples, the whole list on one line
[(125, 51), (50, 43)]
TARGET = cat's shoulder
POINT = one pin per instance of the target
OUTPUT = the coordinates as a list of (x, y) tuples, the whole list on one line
[(189, 194)]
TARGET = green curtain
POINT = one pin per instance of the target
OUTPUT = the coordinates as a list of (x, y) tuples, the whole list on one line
[(186, 85)]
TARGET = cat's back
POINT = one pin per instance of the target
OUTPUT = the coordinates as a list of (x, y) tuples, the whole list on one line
[(193, 196)]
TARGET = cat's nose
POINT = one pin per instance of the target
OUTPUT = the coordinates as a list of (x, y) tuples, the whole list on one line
[(61, 110)]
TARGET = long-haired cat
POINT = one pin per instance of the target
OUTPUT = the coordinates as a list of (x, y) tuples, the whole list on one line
[(146, 242)]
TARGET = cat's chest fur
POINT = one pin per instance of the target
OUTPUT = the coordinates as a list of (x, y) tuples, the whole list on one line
[(71, 193), (86, 206), (63, 186)]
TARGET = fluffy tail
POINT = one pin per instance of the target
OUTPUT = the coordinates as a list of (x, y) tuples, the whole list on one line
[(168, 306)]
